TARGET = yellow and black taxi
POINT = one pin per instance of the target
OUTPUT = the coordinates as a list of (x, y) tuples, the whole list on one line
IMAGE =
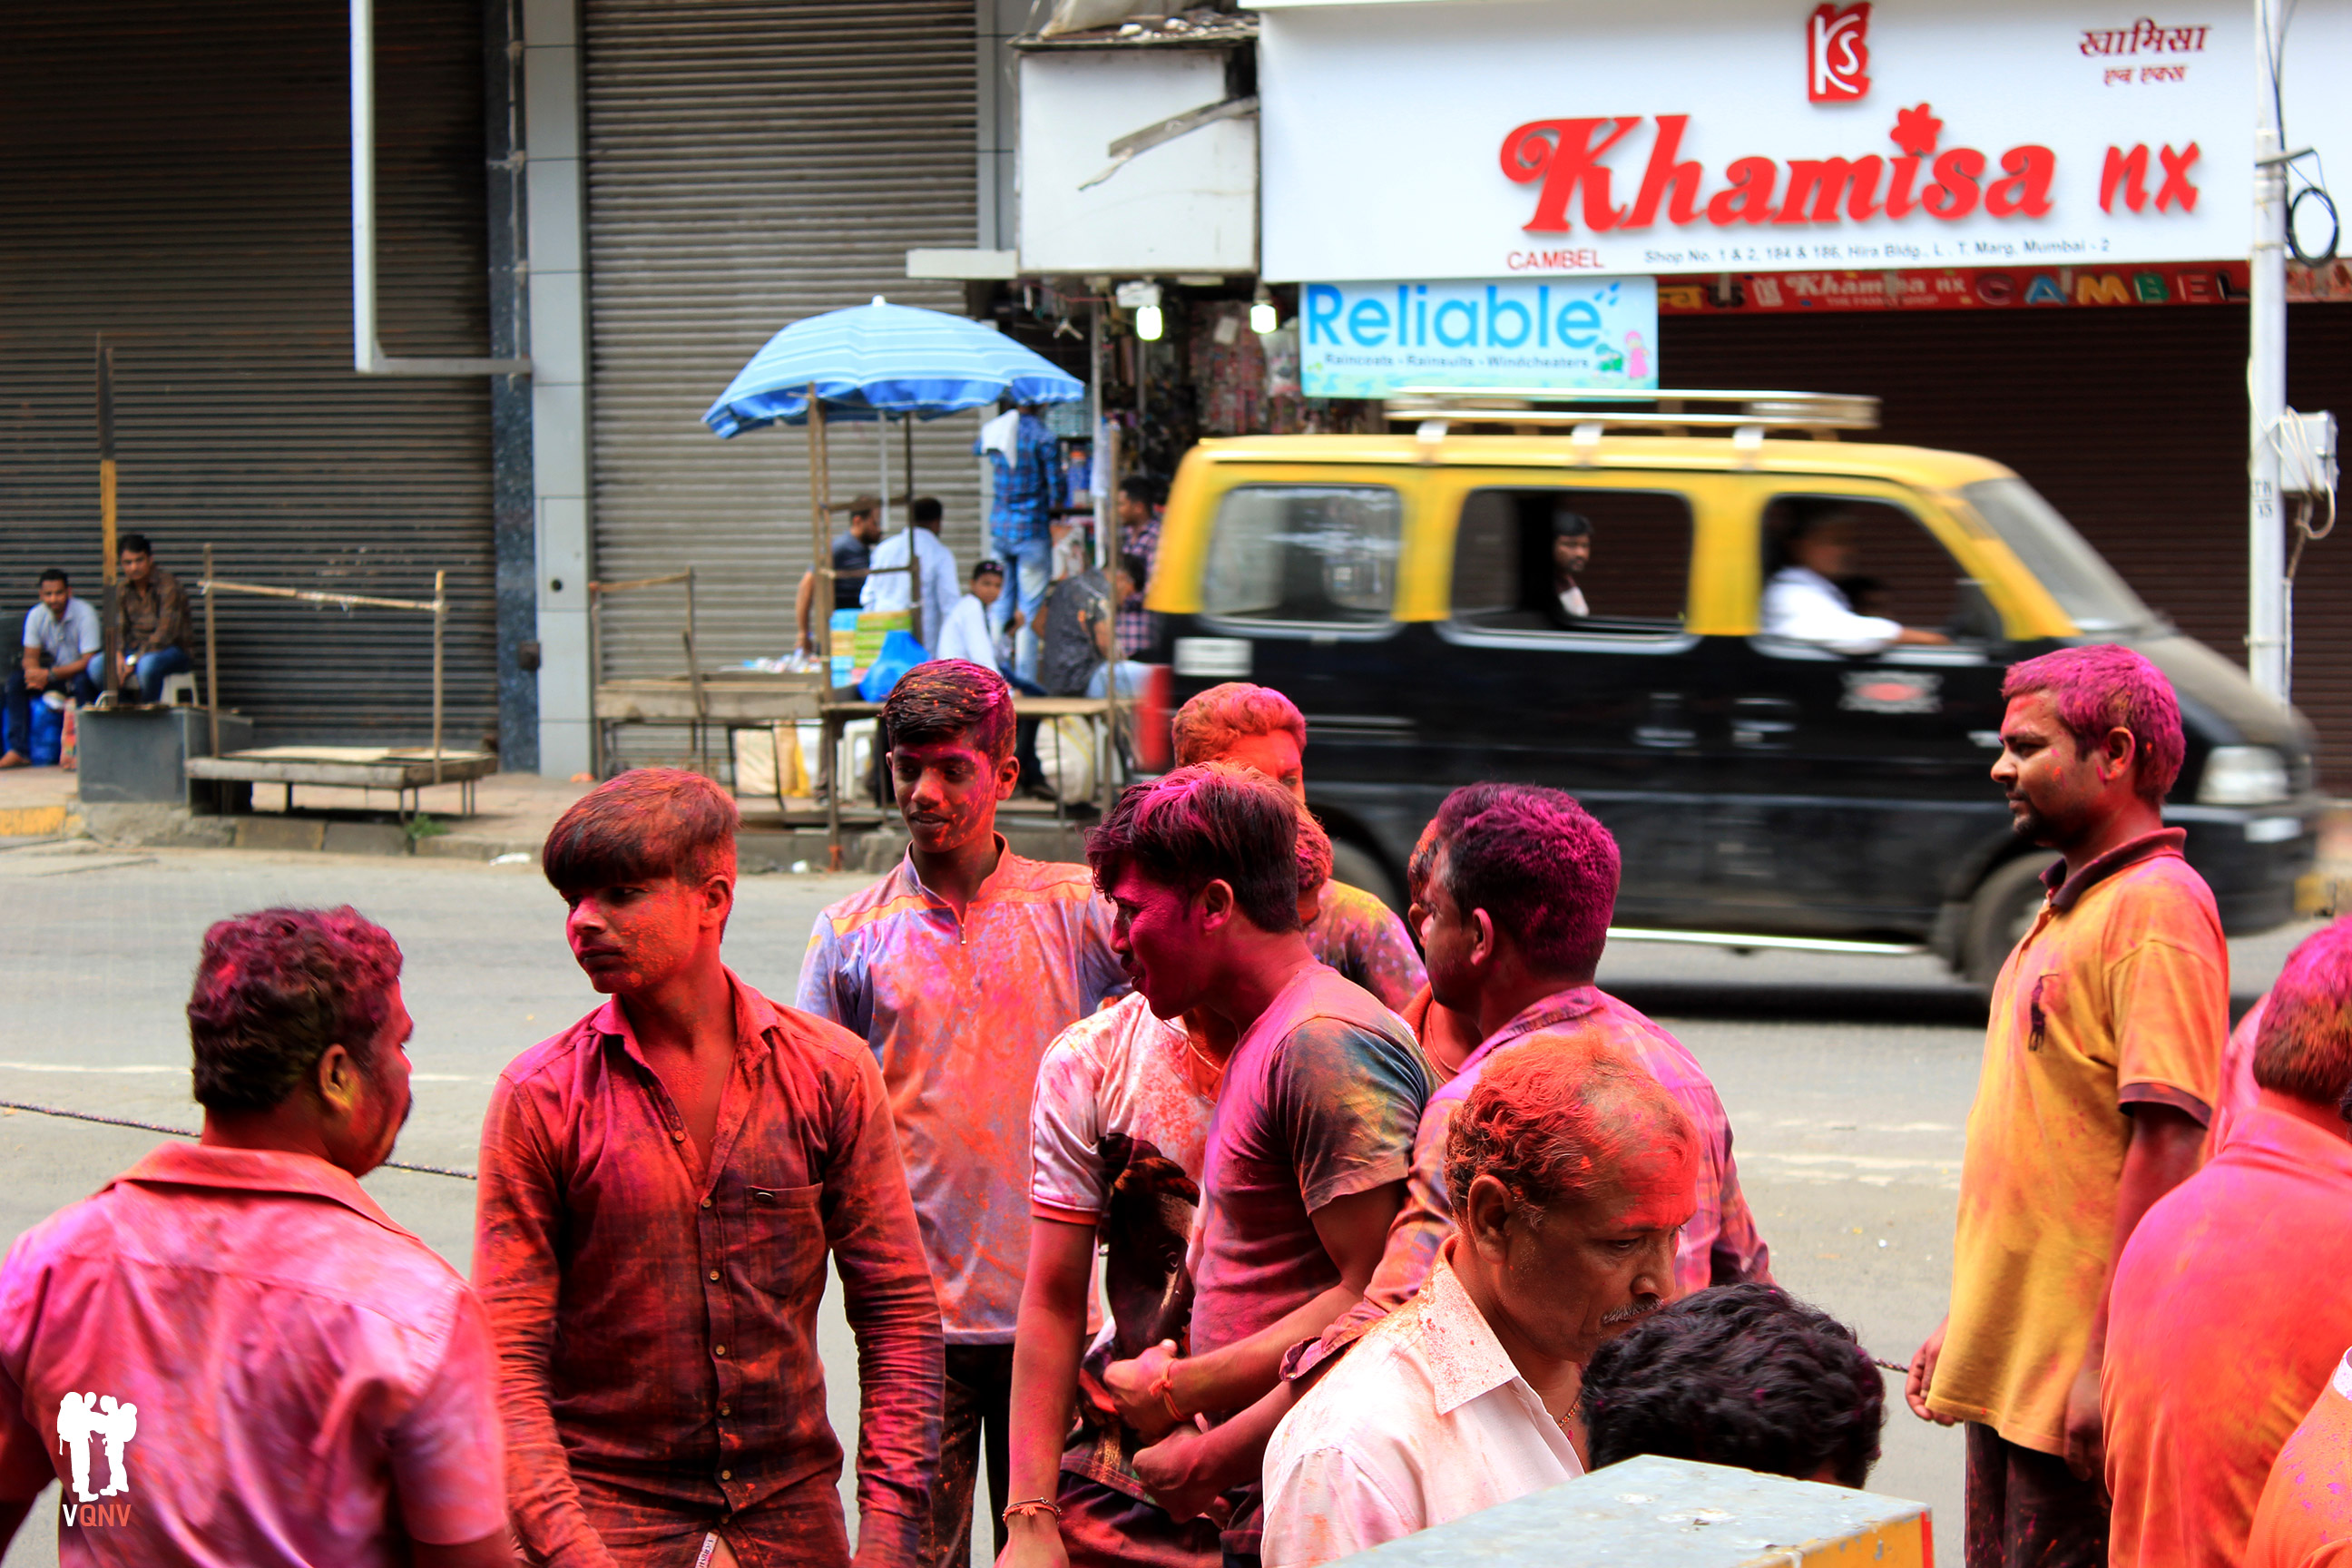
[(1642, 605)]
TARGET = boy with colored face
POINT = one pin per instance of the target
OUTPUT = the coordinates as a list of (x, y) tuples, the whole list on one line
[(1120, 1129), (2102, 1063), (660, 1185), (1258, 728), (1312, 1135), (1571, 1171), (958, 968)]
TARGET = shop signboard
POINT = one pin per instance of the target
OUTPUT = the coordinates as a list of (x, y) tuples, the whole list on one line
[(1436, 138), (1368, 340)]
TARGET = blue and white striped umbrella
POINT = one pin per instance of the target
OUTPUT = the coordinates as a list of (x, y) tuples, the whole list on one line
[(876, 359)]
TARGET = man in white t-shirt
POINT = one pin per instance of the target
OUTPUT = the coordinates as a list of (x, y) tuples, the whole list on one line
[(967, 633), (1571, 1171), (886, 587), (62, 643), (1803, 602)]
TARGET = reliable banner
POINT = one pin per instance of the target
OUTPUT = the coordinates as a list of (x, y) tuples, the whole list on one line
[(1430, 139), (1368, 339)]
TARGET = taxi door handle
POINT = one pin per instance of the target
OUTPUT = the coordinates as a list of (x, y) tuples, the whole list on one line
[(1665, 725)]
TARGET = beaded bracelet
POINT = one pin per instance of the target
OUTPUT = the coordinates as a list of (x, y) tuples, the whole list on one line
[(1032, 1507)]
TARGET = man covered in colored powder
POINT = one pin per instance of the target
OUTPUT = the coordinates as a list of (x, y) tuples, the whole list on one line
[(660, 1185), (960, 968), (307, 1383), (2101, 1060), (1514, 884), (1312, 1135), (1258, 727), (1120, 1128), (1572, 1170), (2229, 1308)]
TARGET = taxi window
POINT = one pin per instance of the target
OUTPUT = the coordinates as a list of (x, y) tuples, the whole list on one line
[(1893, 566), (1594, 562), (1305, 553)]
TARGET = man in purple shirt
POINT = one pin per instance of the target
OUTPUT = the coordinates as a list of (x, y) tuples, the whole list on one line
[(1312, 1135)]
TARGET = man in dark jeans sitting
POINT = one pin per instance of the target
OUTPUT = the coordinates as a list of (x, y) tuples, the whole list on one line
[(62, 645)]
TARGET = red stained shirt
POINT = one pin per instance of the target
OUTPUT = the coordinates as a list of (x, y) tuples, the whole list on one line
[(2304, 1518), (1720, 1246), (657, 1327), (310, 1383), (960, 1014), (2228, 1314)]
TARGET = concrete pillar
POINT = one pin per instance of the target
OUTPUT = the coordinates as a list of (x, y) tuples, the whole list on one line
[(559, 400)]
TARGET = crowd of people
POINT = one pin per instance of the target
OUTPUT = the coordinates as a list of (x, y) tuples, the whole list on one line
[(1211, 1213)]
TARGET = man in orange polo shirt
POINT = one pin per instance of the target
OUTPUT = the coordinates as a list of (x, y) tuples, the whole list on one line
[(2102, 1061), (2205, 1377)]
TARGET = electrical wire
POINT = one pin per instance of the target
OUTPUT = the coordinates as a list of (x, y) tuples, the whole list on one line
[(2312, 189), (185, 1132)]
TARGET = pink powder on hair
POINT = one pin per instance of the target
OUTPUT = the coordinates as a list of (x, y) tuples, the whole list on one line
[(1208, 726), (2103, 688)]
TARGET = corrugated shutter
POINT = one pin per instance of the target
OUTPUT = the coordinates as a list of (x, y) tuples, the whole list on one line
[(750, 165), (177, 176), (2133, 422)]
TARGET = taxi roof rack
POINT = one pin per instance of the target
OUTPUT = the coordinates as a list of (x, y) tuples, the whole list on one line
[(1750, 416)]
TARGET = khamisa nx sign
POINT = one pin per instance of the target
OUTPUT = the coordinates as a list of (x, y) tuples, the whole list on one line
[(1419, 141)]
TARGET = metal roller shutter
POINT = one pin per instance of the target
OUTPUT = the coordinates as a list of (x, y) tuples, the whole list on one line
[(2131, 421), (178, 176), (749, 165)]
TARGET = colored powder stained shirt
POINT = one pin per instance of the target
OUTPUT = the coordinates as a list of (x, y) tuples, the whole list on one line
[(2227, 1313), (277, 1372), (1320, 1099), (1027, 482), (656, 1323), (1362, 938), (2119, 995), (2304, 1517), (1719, 1246), (1119, 1125), (959, 1014), (1427, 1420)]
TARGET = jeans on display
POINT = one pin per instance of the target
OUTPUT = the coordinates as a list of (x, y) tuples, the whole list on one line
[(1030, 565), (148, 670), (1132, 676), (16, 722)]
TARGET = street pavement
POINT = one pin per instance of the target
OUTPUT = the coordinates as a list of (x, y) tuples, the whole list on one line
[(1848, 1079)]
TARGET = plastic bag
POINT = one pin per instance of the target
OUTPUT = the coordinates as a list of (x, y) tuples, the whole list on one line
[(900, 653), (1066, 751)]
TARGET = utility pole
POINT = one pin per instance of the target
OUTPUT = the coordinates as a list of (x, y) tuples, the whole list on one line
[(2267, 653)]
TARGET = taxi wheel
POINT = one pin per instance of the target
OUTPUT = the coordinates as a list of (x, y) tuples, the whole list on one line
[(1360, 867), (2002, 912)]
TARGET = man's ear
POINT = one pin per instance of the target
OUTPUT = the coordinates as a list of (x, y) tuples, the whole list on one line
[(717, 894), (1485, 1213), (1216, 903), (336, 1080), (1008, 777), (1485, 946), (2119, 753)]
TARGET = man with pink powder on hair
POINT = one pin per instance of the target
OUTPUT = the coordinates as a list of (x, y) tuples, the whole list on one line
[(661, 1184), (1312, 1136), (2102, 1064), (1258, 728), (958, 968)]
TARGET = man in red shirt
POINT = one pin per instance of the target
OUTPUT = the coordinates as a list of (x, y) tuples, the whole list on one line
[(261, 1366), (2207, 1373), (660, 1185)]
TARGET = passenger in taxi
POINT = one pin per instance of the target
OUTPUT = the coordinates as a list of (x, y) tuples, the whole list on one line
[(1571, 550), (1811, 552)]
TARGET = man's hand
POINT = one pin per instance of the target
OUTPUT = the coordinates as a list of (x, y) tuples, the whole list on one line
[(1922, 1373), (1016, 621), (2083, 1449), (1172, 1472), (1130, 1383), (36, 679), (1033, 1540)]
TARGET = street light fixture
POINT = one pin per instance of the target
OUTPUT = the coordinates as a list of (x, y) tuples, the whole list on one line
[(1264, 316)]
